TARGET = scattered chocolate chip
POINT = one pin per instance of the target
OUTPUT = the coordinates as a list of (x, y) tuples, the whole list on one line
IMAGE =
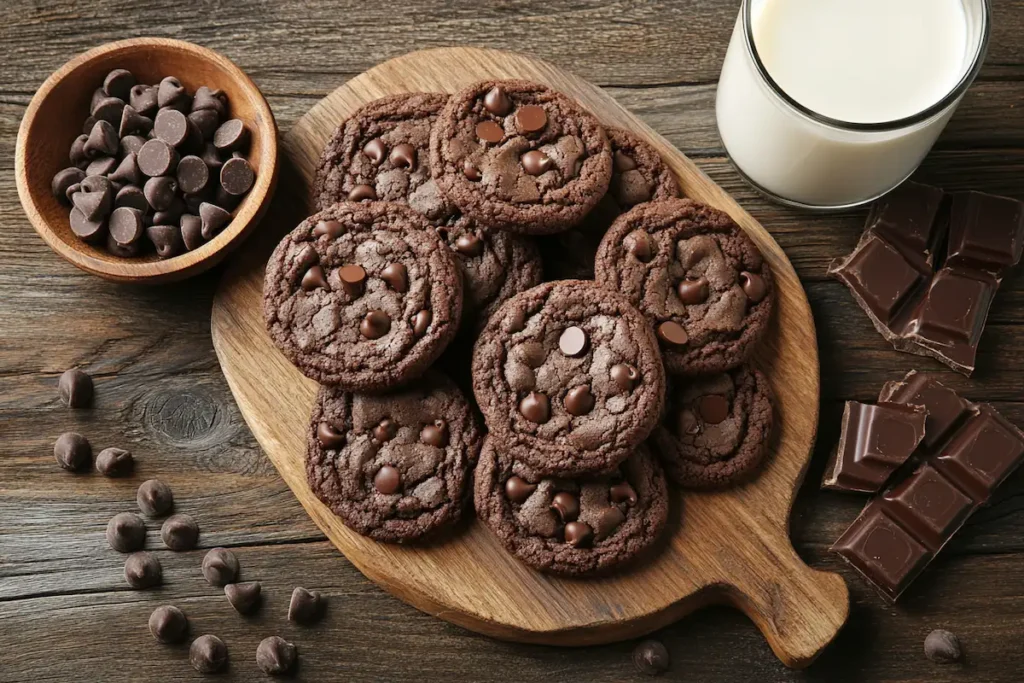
[(672, 333), (314, 279), (753, 286), (245, 596), (622, 493), (95, 197), (206, 122), (397, 277), (489, 131), (102, 141), (435, 434), (98, 95), (623, 162), (421, 322), (375, 324), (170, 93), (388, 480), (942, 647), (536, 162), (497, 101), (353, 279), (168, 624), (170, 216), (101, 166), (651, 658), (305, 606), (375, 150), (125, 226), (385, 430), (220, 567), (115, 462), (641, 246), (214, 218), (329, 436), (191, 231), (209, 99), (118, 83), (63, 180), (75, 388), (154, 498), (625, 376), (518, 490), (108, 110), (610, 519), (573, 341), (566, 505), (166, 239), (362, 192), (72, 451), (83, 228), (133, 122), (531, 118), (132, 197), (469, 245), (143, 99), (127, 172), (333, 229), (77, 154), (193, 174), (211, 157), (713, 408), (579, 400), (693, 292), (180, 532), (230, 136), (275, 656), (578, 534), (126, 532), (208, 654), (470, 170), (116, 249), (403, 156), (143, 570), (535, 408), (87, 125), (237, 176), (131, 144), (157, 158)]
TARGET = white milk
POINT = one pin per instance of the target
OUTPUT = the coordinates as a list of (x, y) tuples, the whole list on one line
[(856, 61)]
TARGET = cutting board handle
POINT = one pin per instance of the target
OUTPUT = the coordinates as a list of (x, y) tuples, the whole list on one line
[(798, 609)]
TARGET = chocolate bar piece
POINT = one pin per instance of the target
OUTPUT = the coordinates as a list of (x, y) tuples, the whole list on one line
[(918, 304), (874, 442), (968, 451)]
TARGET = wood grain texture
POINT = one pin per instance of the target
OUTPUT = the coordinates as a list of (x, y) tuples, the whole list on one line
[(729, 547), (50, 125), (65, 613)]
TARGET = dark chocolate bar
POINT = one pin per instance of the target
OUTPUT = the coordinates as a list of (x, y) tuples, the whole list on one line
[(968, 451), (874, 442), (918, 304)]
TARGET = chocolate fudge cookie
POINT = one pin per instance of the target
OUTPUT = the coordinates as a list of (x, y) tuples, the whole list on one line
[(698, 278), (519, 156), (571, 526), (382, 152), (363, 296), (638, 175), (568, 377), (716, 429), (393, 466), (495, 264)]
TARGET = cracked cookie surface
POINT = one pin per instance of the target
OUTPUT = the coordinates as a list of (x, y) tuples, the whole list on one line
[(393, 466), (574, 527), (364, 296), (569, 377), (698, 278), (519, 156)]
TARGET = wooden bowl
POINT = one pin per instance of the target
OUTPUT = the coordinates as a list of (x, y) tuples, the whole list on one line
[(54, 119)]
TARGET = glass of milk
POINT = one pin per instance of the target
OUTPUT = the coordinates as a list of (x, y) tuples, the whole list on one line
[(827, 104)]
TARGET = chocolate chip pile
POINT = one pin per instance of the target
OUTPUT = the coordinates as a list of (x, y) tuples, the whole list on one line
[(437, 216), (155, 168), (126, 533)]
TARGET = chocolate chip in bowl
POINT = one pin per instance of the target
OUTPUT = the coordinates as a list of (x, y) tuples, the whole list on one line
[(182, 103)]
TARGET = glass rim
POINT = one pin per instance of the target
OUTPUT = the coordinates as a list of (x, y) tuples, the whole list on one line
[(881, 126)]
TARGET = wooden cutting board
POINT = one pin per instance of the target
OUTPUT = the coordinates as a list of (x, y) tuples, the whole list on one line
[(731, 547)]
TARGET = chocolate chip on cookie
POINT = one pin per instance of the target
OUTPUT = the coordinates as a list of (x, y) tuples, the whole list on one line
[(699, 279), (638, 175), (716, 428), (571, 526), (382, 152), (393, 466), (548, 374), (519, 156), (335, 305)]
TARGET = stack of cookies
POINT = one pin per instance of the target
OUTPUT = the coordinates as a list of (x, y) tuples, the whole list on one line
[(437, 217)]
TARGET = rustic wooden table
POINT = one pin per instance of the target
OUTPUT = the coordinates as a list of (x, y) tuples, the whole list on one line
[(65, 612)]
